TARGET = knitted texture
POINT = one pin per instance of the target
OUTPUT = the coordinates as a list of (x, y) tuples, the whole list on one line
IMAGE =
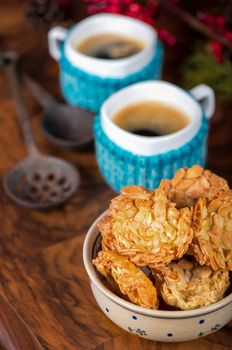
[(83, 89), (121, 168)]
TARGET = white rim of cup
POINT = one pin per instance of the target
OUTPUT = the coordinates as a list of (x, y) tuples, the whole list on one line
[(87, 258), (110, 127), (117, 67)]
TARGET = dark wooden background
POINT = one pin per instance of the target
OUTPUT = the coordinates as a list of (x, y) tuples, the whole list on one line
[(41, 269)]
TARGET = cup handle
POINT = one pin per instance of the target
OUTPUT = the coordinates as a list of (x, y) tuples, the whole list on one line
[(55, 36), (205, 95)]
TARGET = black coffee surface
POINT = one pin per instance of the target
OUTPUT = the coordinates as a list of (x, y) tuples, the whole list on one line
[(151, 118), (145, 132), (114, 51), (109, 46)]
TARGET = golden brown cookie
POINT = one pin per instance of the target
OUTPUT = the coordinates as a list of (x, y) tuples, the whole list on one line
[(146, 227), (131, 280), (190, 184), (212, 224), (187, 285), (105, 227)]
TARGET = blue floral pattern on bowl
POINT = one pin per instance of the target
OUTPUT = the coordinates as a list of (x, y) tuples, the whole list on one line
[(138, 331), (211, 330)]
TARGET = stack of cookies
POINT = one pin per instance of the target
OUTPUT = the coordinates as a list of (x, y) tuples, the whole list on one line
[(181, 233)]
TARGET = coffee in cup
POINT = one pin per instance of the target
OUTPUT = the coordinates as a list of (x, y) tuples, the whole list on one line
[(151, 118), (129, 43), (109, 46), (120, 126)]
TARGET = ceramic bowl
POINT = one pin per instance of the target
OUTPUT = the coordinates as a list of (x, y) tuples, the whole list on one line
[(163, 326)]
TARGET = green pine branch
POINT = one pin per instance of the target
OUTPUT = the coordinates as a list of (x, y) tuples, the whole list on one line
[(202, 68)]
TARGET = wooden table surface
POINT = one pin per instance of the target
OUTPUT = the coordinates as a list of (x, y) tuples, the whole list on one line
[(41, 268)]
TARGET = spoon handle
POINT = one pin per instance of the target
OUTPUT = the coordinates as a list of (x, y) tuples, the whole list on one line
[(39, 93), (8, 60)]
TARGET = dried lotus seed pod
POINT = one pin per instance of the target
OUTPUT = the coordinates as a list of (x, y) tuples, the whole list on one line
[(187, 285), (190, 184), (212, 226), (146, 227), (131, 281)]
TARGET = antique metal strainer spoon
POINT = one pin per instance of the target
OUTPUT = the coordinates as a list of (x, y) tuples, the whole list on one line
[(65, 126), (39, 181)]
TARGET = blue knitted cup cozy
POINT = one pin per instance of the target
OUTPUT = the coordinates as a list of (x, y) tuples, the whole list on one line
[(121, 168), (89, 91)]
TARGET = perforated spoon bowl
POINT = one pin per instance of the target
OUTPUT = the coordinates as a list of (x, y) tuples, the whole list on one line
[(39, 181), (65, 126)]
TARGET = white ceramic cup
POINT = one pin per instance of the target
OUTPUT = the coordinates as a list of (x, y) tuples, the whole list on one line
[(110, 24), (162, 92)]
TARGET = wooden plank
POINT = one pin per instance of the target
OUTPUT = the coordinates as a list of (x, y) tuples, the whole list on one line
[(42, 272)]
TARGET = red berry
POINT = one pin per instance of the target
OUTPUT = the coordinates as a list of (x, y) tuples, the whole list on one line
[(171, 40), (135, 8), (114, 9), (228, 36), (127, 2), (162, 34), (220, 20), (206, 18), (146, 18), (216, 47), (209, 19)]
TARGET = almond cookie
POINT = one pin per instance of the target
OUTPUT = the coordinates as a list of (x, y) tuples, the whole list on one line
[(212, 225), (131, 280), (189, 184), (146, 227), (187, 285), (105, 227)]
